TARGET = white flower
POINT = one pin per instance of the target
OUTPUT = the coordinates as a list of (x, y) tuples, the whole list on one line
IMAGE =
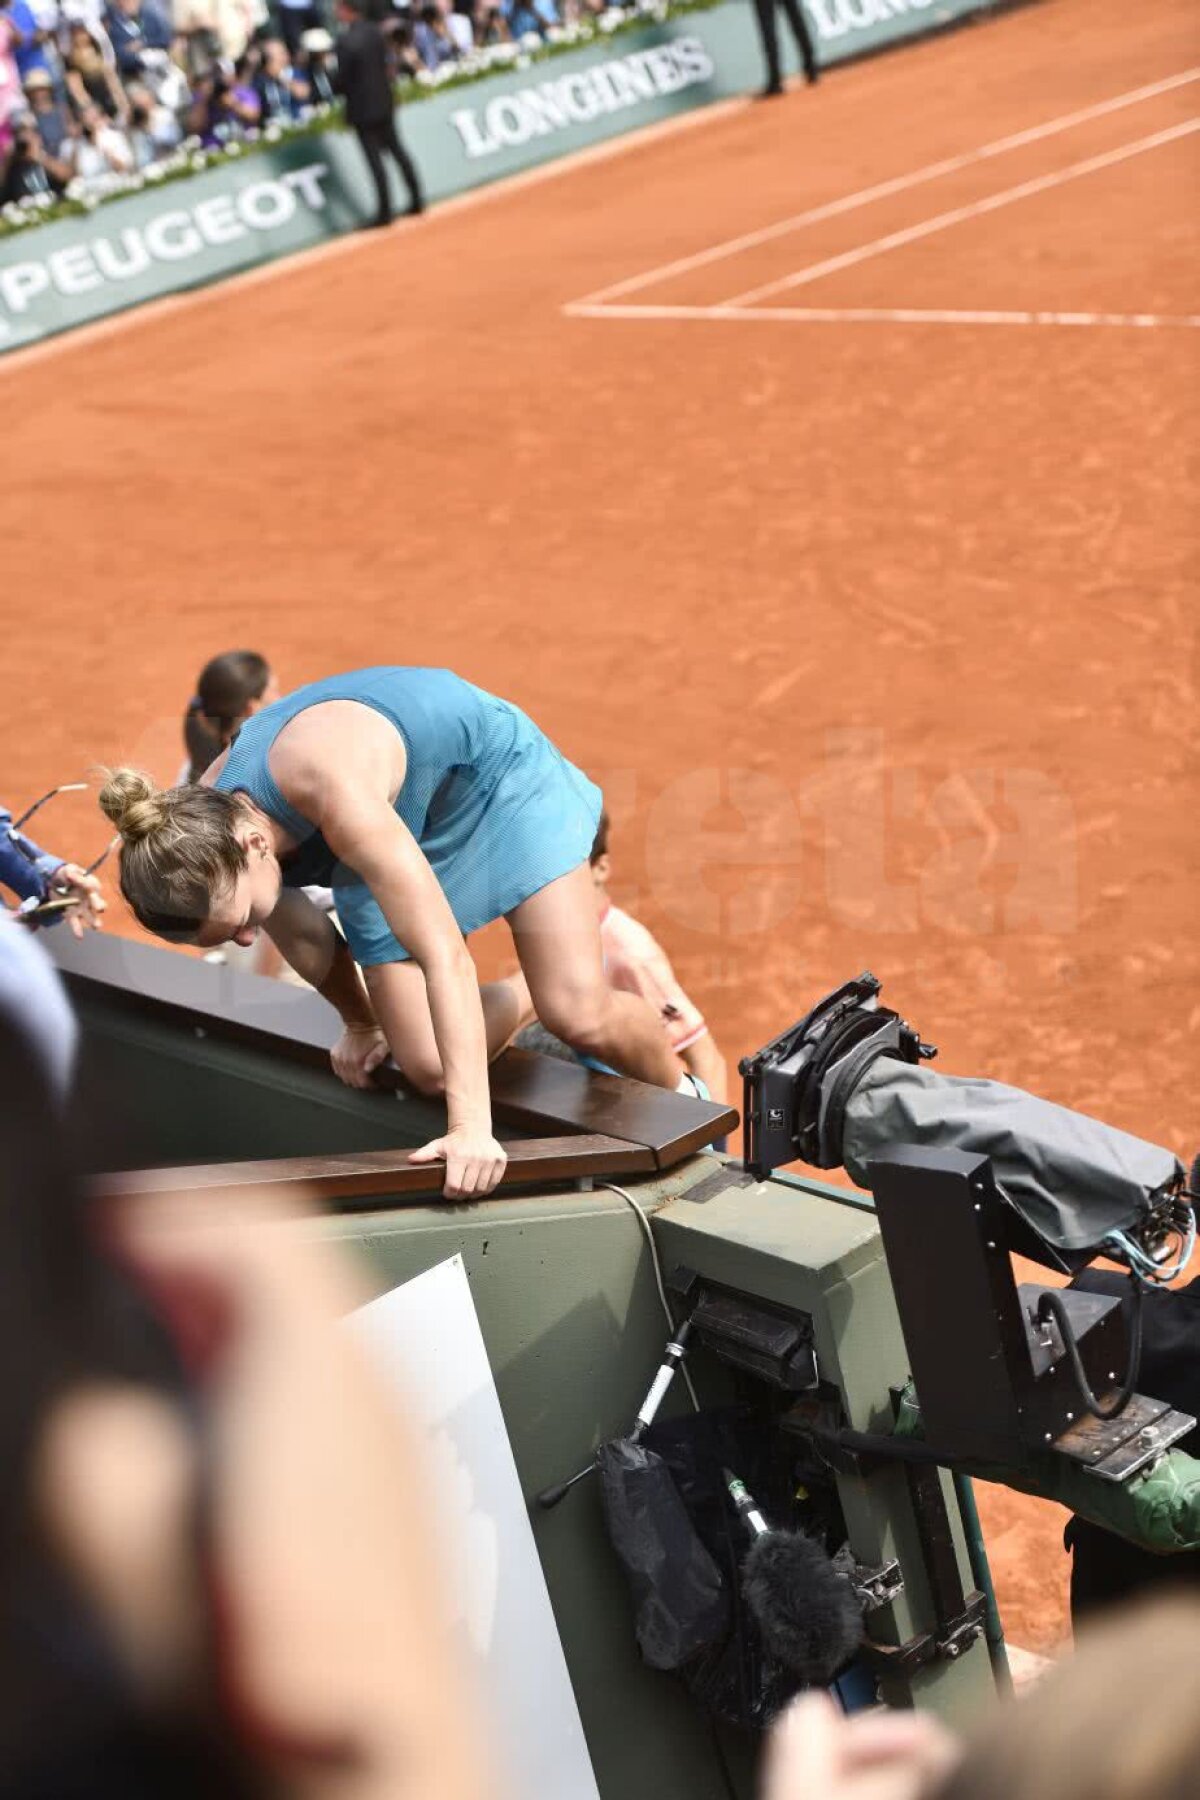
[(233, 148), (155, 171), (197, 162), (273, 132)]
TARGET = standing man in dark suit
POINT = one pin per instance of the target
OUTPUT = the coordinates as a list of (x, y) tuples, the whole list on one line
[(768, 30), (364, 77)]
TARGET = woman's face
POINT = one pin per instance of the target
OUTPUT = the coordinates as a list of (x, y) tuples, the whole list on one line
[(240, 912)]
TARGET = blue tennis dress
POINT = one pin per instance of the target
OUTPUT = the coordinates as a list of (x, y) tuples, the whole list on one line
[(498, 812)]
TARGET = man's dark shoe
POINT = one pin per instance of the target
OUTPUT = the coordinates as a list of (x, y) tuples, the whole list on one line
[(772, 91)]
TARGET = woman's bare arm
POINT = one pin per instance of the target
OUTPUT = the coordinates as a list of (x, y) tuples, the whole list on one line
[(306, 937), (342, 765)]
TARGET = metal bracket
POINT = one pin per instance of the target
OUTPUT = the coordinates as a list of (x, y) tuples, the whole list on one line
[(879, 1586), (947, 1643), (1117, 1448)]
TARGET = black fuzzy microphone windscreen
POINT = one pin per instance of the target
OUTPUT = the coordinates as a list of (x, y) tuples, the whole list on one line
[(808, 1613)]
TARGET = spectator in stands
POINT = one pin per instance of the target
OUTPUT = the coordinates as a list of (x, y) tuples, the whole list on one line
[(402, 53), (91, 76), (468, 12), (224, 104), (29, 38), (636, 964), (531, 17), (86, 12), (11, 99), (51, 17), (460, 26), (431, 38), (491, 26), (99, 153), (317, 66), (135, 26), (49, 116), (281, 93), (26, 170), (154, 129), (295, 18), (215, 29)]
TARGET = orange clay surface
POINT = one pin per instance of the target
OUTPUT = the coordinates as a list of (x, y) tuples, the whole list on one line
[(879, 634)]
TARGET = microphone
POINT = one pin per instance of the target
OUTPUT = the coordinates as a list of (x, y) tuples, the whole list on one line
[(808, 1613)]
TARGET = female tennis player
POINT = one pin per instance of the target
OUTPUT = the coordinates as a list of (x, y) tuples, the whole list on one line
[(431, 808)]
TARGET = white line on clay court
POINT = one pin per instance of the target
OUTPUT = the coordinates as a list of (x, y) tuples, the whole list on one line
[(884, 315), (743, 307), (1024, 190), (887, 315), (883, 189)]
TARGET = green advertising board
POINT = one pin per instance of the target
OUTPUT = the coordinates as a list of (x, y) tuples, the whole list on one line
[(266, 203)]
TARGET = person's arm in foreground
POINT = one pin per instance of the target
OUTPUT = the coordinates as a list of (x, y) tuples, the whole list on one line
[(342, 770), (35, 874), (337, 1644), (816, 1751)]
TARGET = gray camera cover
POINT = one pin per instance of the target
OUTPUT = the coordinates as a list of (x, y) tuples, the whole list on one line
[(1074, 1179)]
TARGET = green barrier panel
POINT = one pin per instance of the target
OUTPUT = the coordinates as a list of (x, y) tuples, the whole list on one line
[(267, 203)]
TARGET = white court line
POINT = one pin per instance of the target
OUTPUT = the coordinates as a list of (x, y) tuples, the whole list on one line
[(896, 185), (975, 209), (880, 315)]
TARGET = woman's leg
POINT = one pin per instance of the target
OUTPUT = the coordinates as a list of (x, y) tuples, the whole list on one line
[(401, 1005), (557, 935)]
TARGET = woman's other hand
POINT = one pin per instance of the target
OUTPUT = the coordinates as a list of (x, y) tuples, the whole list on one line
[(358, 1053)]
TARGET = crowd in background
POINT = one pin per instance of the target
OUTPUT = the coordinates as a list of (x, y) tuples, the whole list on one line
[(94, 92)]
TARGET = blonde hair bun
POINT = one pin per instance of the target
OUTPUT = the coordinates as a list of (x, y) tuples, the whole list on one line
[(135, 804)]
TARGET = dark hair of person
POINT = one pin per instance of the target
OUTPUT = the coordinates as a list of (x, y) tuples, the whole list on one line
[(225, 689), (600, 842)]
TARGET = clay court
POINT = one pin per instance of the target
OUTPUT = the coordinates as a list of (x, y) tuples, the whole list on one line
[(816, 474)]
